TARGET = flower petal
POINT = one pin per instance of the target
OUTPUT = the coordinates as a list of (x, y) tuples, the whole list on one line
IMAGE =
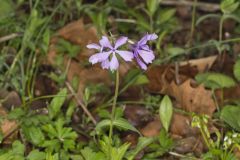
[(99, 57), (141, 64), (147, 37), (145, 47), (147, 56), (126, 55), (94, 46), (105, 64), (120, 41), (114, 63), (105, 42)]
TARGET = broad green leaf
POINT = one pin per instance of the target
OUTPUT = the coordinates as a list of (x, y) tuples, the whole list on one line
[(215, 80), (57, 102), (152, 6), (229, 6), (174, 51), (236, 70), (36, 155), (165, 112), (166, 15), (143, 142), (120, 123), (230, 114)]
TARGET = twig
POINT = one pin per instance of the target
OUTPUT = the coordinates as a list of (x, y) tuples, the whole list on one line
[(176, 64), (9, 37), (183, 156), (209, 7), (80, 103)]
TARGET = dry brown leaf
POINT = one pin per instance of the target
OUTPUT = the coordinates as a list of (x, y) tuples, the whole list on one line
[(152, 128), (180, 126), (191, 99), (202, 64), (7, 127), (198, 99)]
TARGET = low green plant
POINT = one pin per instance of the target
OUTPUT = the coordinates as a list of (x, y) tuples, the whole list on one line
[(217, 149), (228, 8)]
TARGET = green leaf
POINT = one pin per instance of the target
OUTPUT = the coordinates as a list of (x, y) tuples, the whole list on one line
[(165, 16), (165, 141), (230, 115), (141, 79), (89, 154), (143, 142), (236, 70), (36, 155), (215, 80), (119, 152), (6, 8), (33, 134), (57, 102), (46, 41), (165, 112), (18, 148), (152, 6), (121, 123), (17, 113), (229, 6), (121, 4), (174, 51), (141, 21), (135, 77)]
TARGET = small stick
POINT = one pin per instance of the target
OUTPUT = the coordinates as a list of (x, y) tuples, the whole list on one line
[(210, 7), (182, 156), (176, 64), (9, 37), (80, 103)]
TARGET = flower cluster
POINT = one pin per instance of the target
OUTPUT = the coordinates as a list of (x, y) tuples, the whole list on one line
[(108, 54)]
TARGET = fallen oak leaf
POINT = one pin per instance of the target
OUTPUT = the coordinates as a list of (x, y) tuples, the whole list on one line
[(198, 99), (192, 99)]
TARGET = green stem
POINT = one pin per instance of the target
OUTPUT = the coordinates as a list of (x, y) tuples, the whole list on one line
[(221, 31), (215, 99), (114, 105), (205, 137), (193, 21)]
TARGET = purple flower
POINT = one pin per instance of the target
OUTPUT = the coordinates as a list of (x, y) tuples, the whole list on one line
[(107, 53), (142, 52)]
